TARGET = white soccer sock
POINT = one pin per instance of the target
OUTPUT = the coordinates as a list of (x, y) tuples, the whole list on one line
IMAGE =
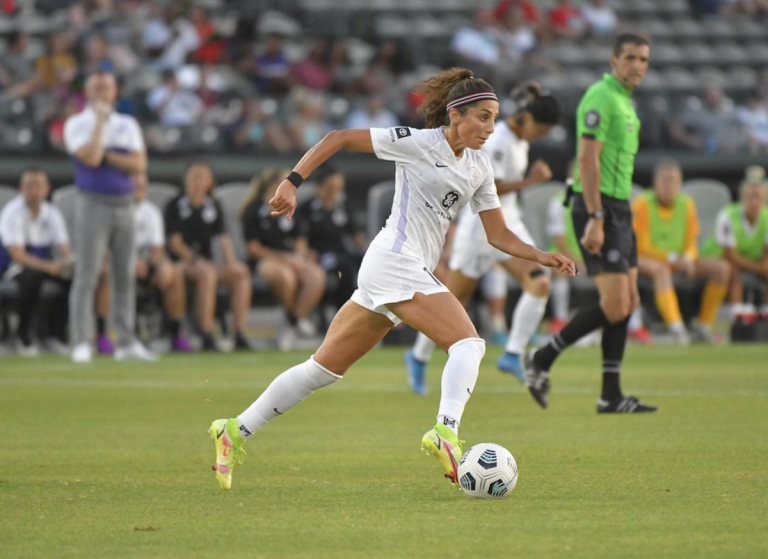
[(526, 319), (635, 320), (459, 378), (422, 348), (561, 298), (287, 390)]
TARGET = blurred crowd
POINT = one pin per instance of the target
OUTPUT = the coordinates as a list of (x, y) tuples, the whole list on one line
[(196, 76)]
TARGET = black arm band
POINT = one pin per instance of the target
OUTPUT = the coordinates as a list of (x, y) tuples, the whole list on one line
[(295, 179)]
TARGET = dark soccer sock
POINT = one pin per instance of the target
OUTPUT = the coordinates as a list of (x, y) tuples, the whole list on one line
[(292, 320), (614, 342), (173, 328), (101, 325), (583, 323)]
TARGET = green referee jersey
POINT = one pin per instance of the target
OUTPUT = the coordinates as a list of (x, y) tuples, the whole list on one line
[(606, 114)]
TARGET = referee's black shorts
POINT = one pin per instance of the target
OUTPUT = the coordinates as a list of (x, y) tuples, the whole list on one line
[(619, 252)]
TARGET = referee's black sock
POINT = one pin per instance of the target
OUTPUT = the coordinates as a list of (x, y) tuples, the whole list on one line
[(614, 342), (585, 321), (101, 325)]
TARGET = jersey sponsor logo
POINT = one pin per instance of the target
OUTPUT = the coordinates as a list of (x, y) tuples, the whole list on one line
[(399, 132), (450, 199), (592, 119), (475, 176)]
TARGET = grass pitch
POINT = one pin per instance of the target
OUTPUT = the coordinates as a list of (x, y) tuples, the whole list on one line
[(113, 460)]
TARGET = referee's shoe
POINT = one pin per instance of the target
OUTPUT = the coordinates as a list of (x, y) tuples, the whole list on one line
[(625, 404)]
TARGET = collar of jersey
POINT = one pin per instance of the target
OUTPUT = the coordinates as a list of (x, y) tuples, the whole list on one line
[(614, 84), (447, 152)]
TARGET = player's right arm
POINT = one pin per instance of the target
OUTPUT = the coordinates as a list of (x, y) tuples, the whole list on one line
[(89, 149), (284, 200), (589, 167)]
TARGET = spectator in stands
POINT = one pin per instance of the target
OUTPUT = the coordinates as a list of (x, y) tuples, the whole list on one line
[(17, 73), (392, 60), (175, 105), (515, 36), (753, 117), (741, 236), (706, 126), (184, 41), (34, 247), (285, 261), (566, 21), (316, 71), (96, 56), (601, 18), (107, 148), (194, 221), (213, 46), (475, 44), (374, 114), (308, 125), (272, 71), (531, 15), (259, 131), (328, 225), (57, 66), (665, 222), (153, 268)]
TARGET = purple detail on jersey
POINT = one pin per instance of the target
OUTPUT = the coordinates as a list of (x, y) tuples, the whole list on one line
[(43, 252), (5, 258), (103, 180), (402, 223)]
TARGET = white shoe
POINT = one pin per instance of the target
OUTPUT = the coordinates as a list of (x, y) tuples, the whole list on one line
[(134, 352), (57, 346), (306, 328), (286, 339), (30, 350), (82, 353)]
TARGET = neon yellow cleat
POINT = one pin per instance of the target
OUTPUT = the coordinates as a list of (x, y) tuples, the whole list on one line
[(229, 449), (444, 444)]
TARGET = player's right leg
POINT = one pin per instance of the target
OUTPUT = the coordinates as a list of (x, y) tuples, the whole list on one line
[(417, 358), (443, 318), (353, 333)]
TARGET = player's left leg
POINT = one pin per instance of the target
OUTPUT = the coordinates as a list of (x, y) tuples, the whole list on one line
[(717, 272), (528, 314), (354, 331), (236, 276), (169, 279), (417, 358)]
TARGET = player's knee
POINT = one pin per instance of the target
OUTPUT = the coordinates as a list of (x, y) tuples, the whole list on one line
[(723, 272), (539, 284), (618, 309), (471, 349)]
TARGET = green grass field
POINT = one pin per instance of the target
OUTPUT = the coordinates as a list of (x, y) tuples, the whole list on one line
[(113, 460)]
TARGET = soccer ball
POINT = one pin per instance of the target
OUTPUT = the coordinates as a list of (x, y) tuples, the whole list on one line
[(487, 470)]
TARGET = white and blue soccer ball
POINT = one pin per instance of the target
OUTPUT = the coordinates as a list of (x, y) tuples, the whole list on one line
[(487, 470)]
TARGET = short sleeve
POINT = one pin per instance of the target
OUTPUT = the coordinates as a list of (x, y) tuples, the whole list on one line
[(59, 226), (11, 230), (172, 219), (485, 197), (401, 143), (594, 115), (77, 133), (218, 227), (725, 236), (556, 226), (156, 227), (136, 142)]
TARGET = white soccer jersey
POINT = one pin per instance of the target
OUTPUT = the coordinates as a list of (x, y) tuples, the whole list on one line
[(19, 228), (431, 186), (149, 230), (509, 159), (557, 225), (725, 236)]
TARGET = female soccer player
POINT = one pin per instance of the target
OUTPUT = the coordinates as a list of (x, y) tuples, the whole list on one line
[(439, 170), (473, 257)]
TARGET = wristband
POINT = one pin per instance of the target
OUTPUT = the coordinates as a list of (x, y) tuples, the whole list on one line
[(295, 179)]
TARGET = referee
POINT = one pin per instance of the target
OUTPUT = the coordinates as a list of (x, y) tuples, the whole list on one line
[(608, 130)]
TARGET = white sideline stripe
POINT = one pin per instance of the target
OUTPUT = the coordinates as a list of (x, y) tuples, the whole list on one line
[(349, 387)]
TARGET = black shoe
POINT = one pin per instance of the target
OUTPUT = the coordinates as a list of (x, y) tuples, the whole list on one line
[(242, 343), (209, 343), (536, 379), (625, 404)]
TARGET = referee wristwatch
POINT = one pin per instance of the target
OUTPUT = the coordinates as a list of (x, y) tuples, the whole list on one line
[(597, 214)]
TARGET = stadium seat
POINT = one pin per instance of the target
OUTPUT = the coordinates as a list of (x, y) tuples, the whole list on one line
[(710, 196), (380, 199), (7, 193), (159, 193), (231, 197), (535, 202)]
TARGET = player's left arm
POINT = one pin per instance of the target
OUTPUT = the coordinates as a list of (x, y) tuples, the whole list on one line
[(506, 241), (130, 162), (539, 173)]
